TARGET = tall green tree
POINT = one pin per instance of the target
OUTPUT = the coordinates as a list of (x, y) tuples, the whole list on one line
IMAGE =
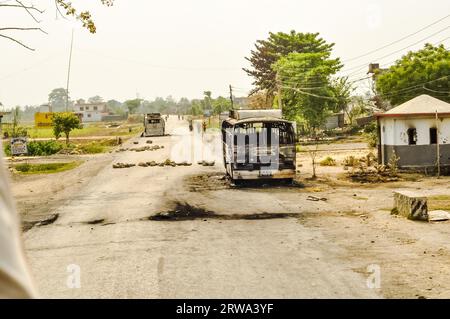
[(57, 99), (64, 123), (309, 93), (133, 105), (426, 71), (220, 104), (278, 45), (95, 99), (342, 90)]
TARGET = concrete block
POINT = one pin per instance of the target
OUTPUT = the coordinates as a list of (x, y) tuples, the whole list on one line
[(411, 205)]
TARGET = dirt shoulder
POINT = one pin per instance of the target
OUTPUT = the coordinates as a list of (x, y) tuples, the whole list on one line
[(37, 196)]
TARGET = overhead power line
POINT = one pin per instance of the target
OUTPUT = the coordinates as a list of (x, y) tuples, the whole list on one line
[(397, 41), (397, 51)]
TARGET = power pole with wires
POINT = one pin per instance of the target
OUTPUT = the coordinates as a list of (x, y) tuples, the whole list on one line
[(68, 73), (280, 100), (231, 97)]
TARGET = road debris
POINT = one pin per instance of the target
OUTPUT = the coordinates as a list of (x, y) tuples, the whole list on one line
[(316, 199), (123, 165), (206, 163), (438, 216)]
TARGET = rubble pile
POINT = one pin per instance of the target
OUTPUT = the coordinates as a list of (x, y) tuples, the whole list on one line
[(123, 165), (206, 163), (141, 149), (167, 162)]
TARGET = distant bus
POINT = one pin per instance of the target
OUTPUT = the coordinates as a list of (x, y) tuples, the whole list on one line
[(258, 144), (154, 125)]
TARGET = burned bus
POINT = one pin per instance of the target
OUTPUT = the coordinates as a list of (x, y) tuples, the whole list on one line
[(154, 125), (258, 144)]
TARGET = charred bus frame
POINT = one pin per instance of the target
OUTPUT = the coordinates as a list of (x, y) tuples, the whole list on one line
[(259, 148)]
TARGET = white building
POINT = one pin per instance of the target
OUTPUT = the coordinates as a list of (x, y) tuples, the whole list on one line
[(416, 131), (91, 112)]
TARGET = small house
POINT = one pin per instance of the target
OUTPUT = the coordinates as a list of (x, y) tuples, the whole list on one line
[(418, 132)]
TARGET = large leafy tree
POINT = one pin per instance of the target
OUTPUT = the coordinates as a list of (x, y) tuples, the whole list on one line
[(95, 99), (278, 45), (63, 7), (57, 99), (426, 71), (133, 105), (309, 94)]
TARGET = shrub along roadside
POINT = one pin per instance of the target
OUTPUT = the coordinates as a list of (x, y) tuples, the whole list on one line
[(47, 148), (38, 148)]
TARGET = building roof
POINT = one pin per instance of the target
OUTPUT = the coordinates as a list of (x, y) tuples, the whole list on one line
[(420, 105)]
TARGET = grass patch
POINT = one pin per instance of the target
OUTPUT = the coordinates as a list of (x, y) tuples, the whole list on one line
[(440, 202), (328, 161), (91, 129), (47, 168)]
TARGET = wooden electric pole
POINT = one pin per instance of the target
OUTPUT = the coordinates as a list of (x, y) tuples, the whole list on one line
[(438, 149), (280, 100), (231, 97), (68, 73)]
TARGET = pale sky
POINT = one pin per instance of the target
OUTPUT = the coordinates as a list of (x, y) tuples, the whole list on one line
[(184, 47)]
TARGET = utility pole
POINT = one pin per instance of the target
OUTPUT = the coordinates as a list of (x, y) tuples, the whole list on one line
[(438, 149), (231, 97), (280, 100), (68, 73)]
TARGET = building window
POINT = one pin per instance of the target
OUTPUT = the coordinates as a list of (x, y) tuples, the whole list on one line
[(95, 108), (81, 108), (89, 115), (412, 136), (433, 135), (87, 108)]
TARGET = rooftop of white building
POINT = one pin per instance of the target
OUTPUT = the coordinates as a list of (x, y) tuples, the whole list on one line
[(420, 105)]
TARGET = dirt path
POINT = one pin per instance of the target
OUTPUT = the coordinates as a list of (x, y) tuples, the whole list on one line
[(37, 196)]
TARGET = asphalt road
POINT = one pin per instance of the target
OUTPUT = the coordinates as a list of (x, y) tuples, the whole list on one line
[(105, 244)]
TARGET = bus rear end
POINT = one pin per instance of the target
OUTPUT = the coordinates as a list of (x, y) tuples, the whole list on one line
[(262, 149)]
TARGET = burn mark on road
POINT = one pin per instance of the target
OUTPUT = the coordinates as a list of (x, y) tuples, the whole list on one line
[(95, 221), (184, 211), (48, 221)]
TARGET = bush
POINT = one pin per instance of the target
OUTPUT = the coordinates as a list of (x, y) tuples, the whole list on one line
[(351, 161), (371, 134), (328, 161), (92, 148), (38, 148)]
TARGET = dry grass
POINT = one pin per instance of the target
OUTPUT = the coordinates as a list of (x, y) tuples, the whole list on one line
[(440, 202)]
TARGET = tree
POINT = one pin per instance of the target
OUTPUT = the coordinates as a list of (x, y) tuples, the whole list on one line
[(115, 106), (220, 104), (65, 5), (133, 105), (57, 99), (278, 45), (342, 91), (95, 99), (64, 123), (259, 101), (426, 71), (308, 94)]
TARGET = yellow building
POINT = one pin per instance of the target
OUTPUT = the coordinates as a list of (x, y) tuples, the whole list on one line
[(43, 119)]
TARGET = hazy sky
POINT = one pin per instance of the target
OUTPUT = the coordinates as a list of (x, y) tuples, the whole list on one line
[(184, 47)]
